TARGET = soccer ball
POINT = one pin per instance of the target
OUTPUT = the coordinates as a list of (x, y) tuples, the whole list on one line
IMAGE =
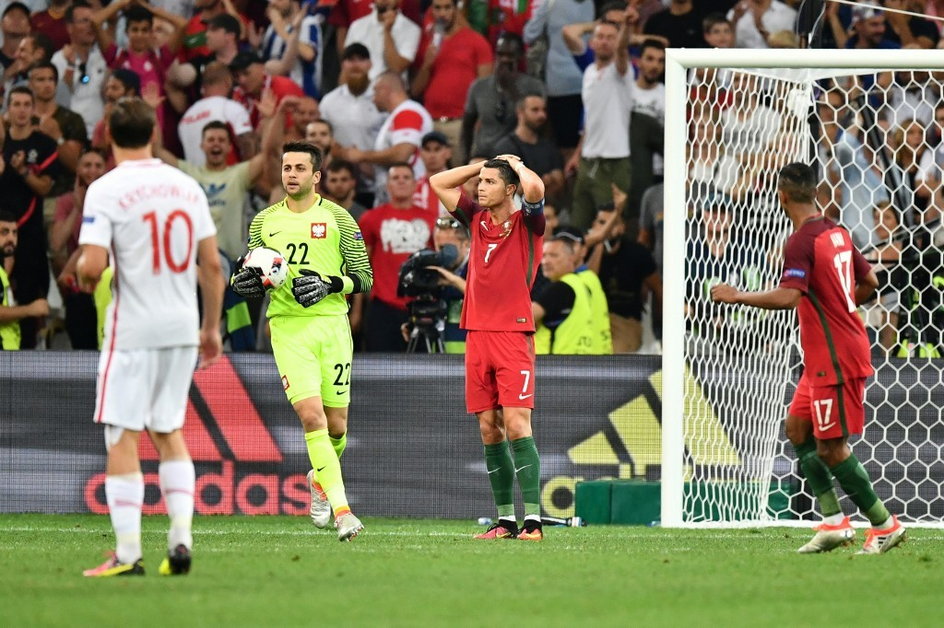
[(271, 262)]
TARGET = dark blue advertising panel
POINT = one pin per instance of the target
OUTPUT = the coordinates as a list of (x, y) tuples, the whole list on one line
[(412, 450)]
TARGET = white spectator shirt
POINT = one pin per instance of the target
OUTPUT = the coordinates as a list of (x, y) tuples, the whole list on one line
[(369, 31), (779, 17), (651, 102), (607, 100), (84, 98), (150, 216), (355, 119), (212, 108), (931, 165), (408, 123)]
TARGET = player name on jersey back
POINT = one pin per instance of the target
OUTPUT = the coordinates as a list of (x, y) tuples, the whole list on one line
[(151, 218)]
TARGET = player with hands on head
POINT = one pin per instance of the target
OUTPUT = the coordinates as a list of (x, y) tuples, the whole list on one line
[(497, 315), (308, 318), (825, 277)]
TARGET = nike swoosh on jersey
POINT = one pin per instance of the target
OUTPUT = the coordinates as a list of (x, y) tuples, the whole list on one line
[(523, 397), (319, 470), (274, 233)]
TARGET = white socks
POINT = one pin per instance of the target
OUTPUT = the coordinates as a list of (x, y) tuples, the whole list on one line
[(177, 485), (125, 495)]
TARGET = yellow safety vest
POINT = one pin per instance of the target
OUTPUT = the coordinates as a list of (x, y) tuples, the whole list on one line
[(600, 311), (577, 334), (9, 332)]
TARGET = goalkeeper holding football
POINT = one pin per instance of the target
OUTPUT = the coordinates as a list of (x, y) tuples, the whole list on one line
[(311, 336)]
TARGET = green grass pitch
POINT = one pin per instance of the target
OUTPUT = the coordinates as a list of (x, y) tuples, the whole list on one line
[(280, 571)]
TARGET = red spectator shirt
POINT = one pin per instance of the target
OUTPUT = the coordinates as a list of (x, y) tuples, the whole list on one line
[(821, 262), (456, 67), (508, 16), (281, 86), (503, 263), (392, 235), (54, 28)]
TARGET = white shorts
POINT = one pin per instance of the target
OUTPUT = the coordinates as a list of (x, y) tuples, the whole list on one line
[(144, 388)]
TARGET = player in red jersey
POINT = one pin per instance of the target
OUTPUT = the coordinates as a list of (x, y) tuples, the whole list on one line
[(499, 361), (826, 278)]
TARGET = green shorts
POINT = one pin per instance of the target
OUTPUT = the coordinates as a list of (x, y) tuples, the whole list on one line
[(313, 355)]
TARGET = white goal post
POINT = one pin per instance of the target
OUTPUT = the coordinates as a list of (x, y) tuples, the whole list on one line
[(727, 383)]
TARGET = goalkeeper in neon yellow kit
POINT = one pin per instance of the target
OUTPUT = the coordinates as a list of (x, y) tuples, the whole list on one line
[(311, 336)]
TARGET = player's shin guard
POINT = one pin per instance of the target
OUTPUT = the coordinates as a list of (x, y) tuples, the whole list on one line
[(327, 468), (339, 444), (125, 495), (177, 485), (854, 480), (501, 475), (818, 476), (528, 470)]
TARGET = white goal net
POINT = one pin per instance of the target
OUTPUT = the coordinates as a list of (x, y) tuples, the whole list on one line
[(872, 126)]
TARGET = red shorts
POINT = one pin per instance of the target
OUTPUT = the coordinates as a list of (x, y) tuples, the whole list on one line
[(499, 370), (834, 411)]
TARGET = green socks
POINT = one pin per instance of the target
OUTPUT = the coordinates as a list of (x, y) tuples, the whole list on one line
[(324, 460), (528, 469), (338, 444), (854, 480), (818, 476), (501, 475)]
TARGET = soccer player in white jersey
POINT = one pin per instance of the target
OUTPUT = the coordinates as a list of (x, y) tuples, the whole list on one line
[(151, 223)]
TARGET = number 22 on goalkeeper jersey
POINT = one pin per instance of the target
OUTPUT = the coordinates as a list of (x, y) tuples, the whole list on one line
[(324, 239)]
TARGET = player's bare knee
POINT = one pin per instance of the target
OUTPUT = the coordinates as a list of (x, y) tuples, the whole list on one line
[(337, 421), (491, 433), (311, 413), (170, 445), (517, 423)]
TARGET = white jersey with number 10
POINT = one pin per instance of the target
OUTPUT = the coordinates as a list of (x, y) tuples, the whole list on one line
[(150, 217)]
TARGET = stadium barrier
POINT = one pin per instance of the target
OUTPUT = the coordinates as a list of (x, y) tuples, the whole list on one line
[(412, 450)]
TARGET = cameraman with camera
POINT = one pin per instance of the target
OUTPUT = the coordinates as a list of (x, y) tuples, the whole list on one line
[(437, 280)]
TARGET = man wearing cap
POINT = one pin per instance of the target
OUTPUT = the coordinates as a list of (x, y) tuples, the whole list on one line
[(435, 151), (82, 68), (868, 27), (252, 80), (352, 113), (451, 57), (391, 37), (195, 33), (221, 41)]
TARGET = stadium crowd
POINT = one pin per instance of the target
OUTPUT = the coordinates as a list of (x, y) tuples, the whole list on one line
[(394, 91)]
